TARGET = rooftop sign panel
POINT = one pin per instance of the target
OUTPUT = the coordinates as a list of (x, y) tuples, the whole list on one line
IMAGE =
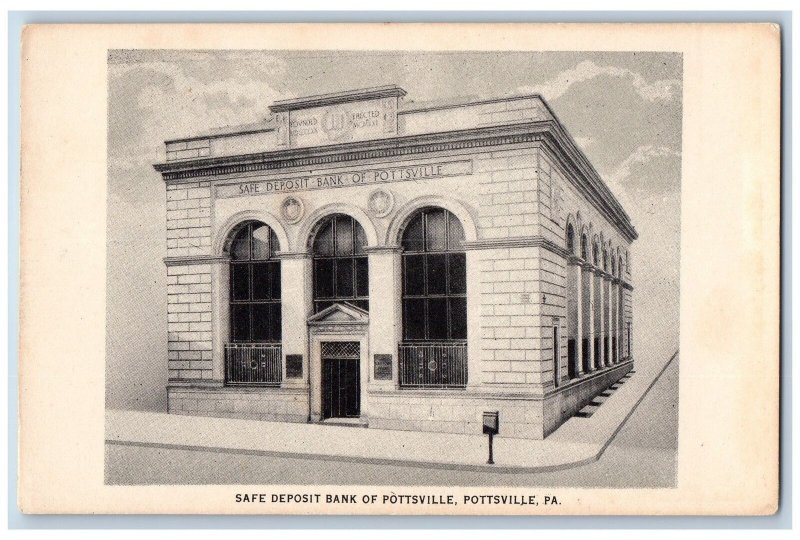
[(339, 122), (355, 115)]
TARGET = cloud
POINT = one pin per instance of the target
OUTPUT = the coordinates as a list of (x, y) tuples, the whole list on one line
[(640, 183), (660, 90), (642, 155), (158, 99), (199, 95)]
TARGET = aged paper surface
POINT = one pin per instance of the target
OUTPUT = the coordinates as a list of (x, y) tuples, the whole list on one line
[(727, 186)]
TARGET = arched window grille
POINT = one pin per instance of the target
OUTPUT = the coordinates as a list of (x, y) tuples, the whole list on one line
[(341, 272), (434, 351)]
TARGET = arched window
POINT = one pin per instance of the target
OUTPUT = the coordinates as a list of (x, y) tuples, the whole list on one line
[(621, 272), (255, 278), (584, 247), (340, 264), (596, 254), (613, 267), (605, 259), (434, 349), (570, 239), (434, 278)]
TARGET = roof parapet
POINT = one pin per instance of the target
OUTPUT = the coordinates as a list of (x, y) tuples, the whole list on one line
[(377, 92)]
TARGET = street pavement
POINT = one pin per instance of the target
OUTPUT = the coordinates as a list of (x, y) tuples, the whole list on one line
[(642, 454)]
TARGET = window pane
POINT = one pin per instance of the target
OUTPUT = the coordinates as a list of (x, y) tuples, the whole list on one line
[(274, 334), (458, 318), (322, 305), (414, 274), (455, 233), (323, 278), (261, 237), (240, 316), (437, 274), (260, 321), (261, 281), (435, 231), (323, 241), (412, 236), (570, 238), (344, 235), (344, 278), (274, 271), (273, 243), (361, 239), (362, 304), (457, 263), (240, 247), (414, 318), (240, 282), (437, 318), (362, 277)]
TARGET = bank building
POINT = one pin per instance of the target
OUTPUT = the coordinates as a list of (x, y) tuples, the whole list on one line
[(357, 258)]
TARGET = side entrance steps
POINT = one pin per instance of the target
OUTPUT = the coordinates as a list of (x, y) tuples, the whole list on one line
[(588, 410)]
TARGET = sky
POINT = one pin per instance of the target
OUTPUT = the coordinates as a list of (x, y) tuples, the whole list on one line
[(623, 109)]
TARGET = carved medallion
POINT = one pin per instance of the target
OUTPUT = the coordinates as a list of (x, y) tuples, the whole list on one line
[(292, 209), (381, 202)]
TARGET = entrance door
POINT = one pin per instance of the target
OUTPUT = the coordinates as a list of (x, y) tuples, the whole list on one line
[(341, 382)]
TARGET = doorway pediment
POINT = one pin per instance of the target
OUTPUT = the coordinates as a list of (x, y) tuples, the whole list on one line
[(340, 314)]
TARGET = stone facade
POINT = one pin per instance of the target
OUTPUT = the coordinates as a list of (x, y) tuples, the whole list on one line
[(547, 328)]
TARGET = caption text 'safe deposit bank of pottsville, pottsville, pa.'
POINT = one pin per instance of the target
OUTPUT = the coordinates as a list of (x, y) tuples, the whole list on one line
[(358, 259)]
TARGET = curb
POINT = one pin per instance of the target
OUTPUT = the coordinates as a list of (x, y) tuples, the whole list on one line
[(505, 469)]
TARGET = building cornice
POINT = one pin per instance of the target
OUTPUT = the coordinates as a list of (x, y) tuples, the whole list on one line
[(549, 133), (353, 151)]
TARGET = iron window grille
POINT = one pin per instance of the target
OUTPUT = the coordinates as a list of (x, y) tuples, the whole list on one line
[(433, 365), (340, 265), (255, 364)]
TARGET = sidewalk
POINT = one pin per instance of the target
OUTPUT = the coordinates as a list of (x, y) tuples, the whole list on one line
[(578, 441)]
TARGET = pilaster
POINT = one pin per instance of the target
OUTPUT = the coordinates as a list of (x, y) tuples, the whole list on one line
[(296, 306), (575, 273), (220, 315), (385, 324)]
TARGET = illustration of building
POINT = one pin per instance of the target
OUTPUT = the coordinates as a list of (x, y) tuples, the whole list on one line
[(355, 259)]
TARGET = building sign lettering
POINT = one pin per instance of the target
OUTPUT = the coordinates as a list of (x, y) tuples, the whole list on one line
[(347, 179)]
